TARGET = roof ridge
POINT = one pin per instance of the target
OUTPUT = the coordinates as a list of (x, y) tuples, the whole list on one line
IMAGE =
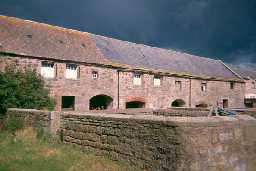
[(55, 27)]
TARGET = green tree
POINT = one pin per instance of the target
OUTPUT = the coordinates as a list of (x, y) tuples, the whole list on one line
[(23, 89)]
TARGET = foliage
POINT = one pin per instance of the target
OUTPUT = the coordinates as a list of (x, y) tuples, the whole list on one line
[(23, 89), (13, 123)]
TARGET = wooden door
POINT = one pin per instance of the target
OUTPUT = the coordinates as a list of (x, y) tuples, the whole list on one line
[(225, 103)]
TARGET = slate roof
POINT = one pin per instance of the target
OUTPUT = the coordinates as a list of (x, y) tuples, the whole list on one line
[(138, 55), (245, 73), (41, 40)]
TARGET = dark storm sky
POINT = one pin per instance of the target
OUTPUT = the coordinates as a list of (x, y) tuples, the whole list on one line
[(221, 29)]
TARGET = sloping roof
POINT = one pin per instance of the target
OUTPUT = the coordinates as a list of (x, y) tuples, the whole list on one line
[(42, 40), (138, 55), (29, 38), (244, 73)]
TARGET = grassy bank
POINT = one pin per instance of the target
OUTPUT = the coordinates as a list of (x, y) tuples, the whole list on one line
[(25, 152)]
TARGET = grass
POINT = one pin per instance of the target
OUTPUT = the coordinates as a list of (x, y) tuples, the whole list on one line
[(25, 152)]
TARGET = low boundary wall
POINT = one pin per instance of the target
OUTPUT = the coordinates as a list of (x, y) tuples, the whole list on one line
[(164, 143), (49, 121)]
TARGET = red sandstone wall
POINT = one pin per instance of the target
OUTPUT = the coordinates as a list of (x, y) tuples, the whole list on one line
[(83, 88), (155, 97), (216, 91), (249, 88), (163, 96)]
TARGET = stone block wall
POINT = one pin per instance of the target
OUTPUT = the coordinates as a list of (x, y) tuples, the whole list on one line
[(167, 143), (49, 121), (157, 142), (84, 88), (184, 112), (148, 144), (217, 91), (228, 144)]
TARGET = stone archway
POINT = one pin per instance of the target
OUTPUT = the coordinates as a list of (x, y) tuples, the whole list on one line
[(101, 102), (135, 102), (178, 103)]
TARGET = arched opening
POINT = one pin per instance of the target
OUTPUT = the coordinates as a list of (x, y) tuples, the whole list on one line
[(178, 103), (135, 104), (101, 102), (202, 105)]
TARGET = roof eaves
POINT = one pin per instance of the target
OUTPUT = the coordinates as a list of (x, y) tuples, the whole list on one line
[(128, 68)]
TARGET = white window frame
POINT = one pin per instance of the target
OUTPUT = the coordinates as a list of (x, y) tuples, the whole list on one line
[(157, 81), (71, 71), (178, 85), (95, 75), (203, 87), (48, 69), (137, 79)]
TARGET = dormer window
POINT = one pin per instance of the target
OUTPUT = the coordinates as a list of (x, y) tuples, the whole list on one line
[(157, 81), (47, 69), (71, 71), (137, 79), (94, 75)]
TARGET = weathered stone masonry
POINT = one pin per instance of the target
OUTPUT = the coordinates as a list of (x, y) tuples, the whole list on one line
[(164, 143), (84, 88), (159, 143)]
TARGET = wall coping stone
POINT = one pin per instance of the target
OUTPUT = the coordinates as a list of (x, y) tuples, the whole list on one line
[(189, 121), (176, 120)]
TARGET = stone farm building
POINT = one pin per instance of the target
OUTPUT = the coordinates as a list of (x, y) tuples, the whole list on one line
[(249, 77), (86, 71)]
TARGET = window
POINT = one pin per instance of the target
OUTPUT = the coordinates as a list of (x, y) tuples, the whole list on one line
[(232, 85), (157, 81), (47, 69), (137, 79), (204, 87), (68, 103), (94, 75), (71, 71), (178, 85), (135, 104), (253, 85), (225, 103)]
